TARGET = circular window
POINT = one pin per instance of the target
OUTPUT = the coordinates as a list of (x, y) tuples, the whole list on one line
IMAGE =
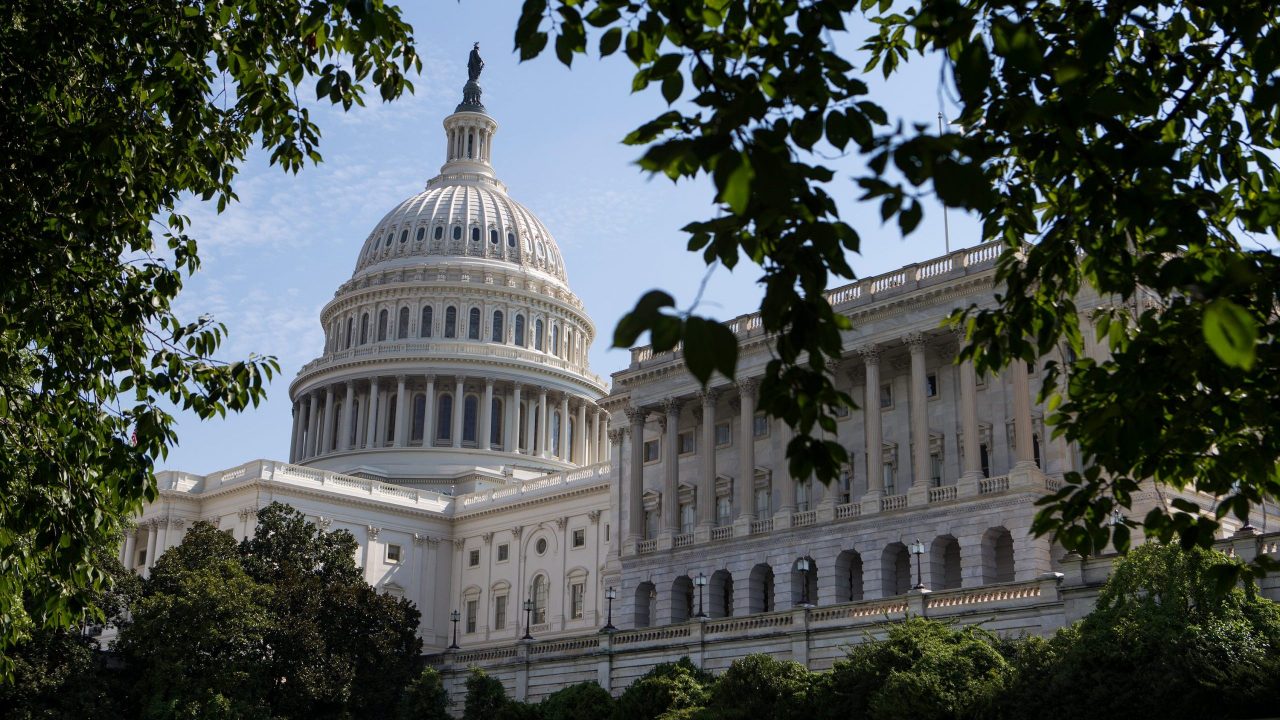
[(540, 547)]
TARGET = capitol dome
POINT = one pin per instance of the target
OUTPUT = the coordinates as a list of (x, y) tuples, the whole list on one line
[(457, 352)]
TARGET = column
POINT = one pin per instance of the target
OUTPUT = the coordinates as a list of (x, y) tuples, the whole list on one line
[(162, 542), (152, 531), (919, 414), (530, 440), (402, 412), (297, 426), (597, 439), (326, 438), (130, 548), (969, 421), (564, 427), (371, 434), (344, 427), (746, 487), (512, 441), (580, 436), (871, 422), (671, 467), (635, 500), (486, 415), (544, 434), (787, 505), (1023, 451), (313, 428), (707, 483), (458, 402), (429, 415)]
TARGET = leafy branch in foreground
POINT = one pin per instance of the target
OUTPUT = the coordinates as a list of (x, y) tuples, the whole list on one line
[(1121, 150)]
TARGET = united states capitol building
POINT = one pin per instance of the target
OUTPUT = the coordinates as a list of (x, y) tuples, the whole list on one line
[(452, 425)]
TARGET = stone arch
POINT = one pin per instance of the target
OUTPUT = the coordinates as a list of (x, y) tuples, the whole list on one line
[(424, 325), (682, 599), (804, 583), (720, 594), (646, 596), (760, 589), (402, 324), (997, 556), (895, 570), (944, 563), (848, 571)]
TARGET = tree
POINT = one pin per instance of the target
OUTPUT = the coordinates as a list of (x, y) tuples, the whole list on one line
[(485, 697), (584, 701), (109, 115), (758, 687), (667, 688), (424, 699), (1124, 146)]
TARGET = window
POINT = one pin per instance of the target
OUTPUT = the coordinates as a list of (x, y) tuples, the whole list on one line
[(555, 433), (382, 325), (841, 412), (519, 330), (364, 328), (404, 236), (650, 524), (760, 425), (886, 395), (493, 236), (349, 328), (688, 516), (724, 438), (439, 233), (606, 532), (457, 232), (580, 537), (422, 232), (504, 552), (390, 237), (451, 322), (500, 612), (499, 332), (931, 385), (473, 324), (804, 491), (555, 339), (402, 324), (724, 511), (511, 239), (469, 421), (651, 448), (844, 486), (393, 553), (424, 328), (540, 546), (685, 440), (935, 469), (418, 419), (985, 457), (764, 502), (142, 557), (889, 479), (444, 418), (495, 423), (577, 594), (540, 599), (473, 558), (472, 607), (537, 334)]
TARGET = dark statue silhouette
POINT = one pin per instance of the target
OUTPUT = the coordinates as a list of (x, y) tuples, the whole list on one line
[(471, 91)]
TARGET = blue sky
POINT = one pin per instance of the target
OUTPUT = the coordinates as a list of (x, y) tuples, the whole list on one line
[(273, 260)]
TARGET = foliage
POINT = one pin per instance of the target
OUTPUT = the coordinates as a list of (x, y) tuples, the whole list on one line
[(667, 688), (1162, 639), (584, 701), (110, 114), (424, 699), (922, 669), (1123, 150), (485, 696), (758, 687), (282, 625)]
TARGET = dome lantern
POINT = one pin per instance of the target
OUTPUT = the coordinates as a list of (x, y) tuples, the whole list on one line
[(469, 130)]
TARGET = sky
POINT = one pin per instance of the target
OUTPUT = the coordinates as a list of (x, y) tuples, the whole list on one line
[(272, 260)]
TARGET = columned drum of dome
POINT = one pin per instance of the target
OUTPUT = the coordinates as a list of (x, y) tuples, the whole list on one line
[(456, 351)]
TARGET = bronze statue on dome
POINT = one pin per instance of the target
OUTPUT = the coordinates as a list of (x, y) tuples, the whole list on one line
[(474, 64)]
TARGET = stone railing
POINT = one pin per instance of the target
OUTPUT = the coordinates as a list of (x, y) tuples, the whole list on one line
[(564, 646), (762, 526), (646, 546), (670, 632), (942, 494), (740, 625), (983, 596), (893, 502), (1000, 483), (682, 540), (723, 532), (298, 475), (535, 487), (806, 517), (956, 264), (848, 510)]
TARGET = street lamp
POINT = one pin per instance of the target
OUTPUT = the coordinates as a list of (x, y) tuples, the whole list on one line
[(528, 615), (804, 565), (610, 595), (700, 582), (455, 616), (917, 549)]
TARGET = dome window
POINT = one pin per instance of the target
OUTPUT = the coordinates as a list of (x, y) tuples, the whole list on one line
[(439, 232), (493, 236), (538, 248), (498, 329), (519, 330), (511, 240), (475, 234), (390, 237), (422, 232), (537, 334), (451, 322), (473, 324), (404, 236), (382, 325), (457, 232), (424, 327), (444, 418)]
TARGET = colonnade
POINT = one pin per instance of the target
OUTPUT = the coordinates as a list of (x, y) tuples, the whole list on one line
[(448, 411), (746, 514)]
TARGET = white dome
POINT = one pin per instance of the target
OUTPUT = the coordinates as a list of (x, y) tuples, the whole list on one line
[(461, 215)]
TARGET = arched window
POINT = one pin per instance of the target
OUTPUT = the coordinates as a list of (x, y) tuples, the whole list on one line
[(451, 322), (499, 332), (333, 439), (511, 240), (495, 423), (404, 235), (422, 232), (457, 232), (439, 233), (350, 322), (681, 599), (944, 563), (444, 417), (493, 236), (539, 597), (646, 595), (364, 328), (469, 422), (848, 576), (895, 570), (390, 237), (355, 424), (402, 326), (391, 420), (473, 324), (519, 331), (382, 325), (555, 433), (555, 339), (475, 234), (760, 591), (419, 418), (424, 327), (537, 334)]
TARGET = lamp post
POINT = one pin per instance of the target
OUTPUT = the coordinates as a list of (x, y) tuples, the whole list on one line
[(700, 582), (804, 565), (917, 549), (609, 595), (528, 616), (455, 616)]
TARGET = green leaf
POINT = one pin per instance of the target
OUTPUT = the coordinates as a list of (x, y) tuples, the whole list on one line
[(1231, 332), (610, 40), (736, 192)]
